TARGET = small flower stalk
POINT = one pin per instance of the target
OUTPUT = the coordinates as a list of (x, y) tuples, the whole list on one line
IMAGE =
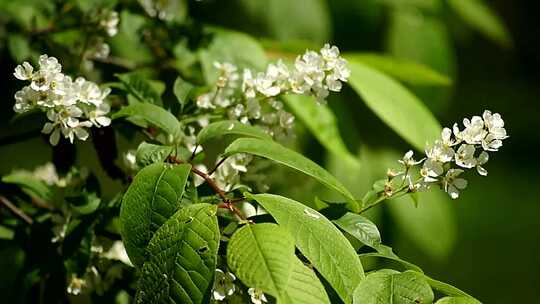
[(455, 152), (71, 106)]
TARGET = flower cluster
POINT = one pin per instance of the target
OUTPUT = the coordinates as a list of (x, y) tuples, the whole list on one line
[(457, 150), (71, 106), (253, 98)]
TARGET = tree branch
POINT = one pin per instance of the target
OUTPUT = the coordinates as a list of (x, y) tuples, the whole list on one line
[(18, 212)]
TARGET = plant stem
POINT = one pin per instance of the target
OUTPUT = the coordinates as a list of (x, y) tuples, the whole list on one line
[(18, 212)]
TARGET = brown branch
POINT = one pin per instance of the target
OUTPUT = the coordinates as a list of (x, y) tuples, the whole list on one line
[(227, 203), (18, 212)]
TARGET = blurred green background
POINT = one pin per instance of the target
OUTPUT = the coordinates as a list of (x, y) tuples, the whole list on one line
[(487, 242)]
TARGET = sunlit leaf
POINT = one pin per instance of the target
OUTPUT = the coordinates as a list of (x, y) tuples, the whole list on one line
[(181, 258), (322, 123), (292, 159), (403, 70), (230, 127), (385, 287), (477, 14), (361, 228), (151, 199), (151, 114), (319, 241), (394, 104)]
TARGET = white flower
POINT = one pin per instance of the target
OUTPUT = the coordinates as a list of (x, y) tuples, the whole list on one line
[(24, 71), (223, 285), (257, 296), (465, 156), (431, 170), (495, 125), (474, 131), (118, 252), (408, 160), (446, 136), (481, 160), (452, 183), (228, 74), (248, 84), (76, 285), (98, 116), (110, 23), (440, 152), (89, 92)]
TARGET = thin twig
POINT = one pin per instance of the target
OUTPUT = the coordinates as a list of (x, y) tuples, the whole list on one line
[(221, 161), (195, 153), (227, 203), (18, 212)]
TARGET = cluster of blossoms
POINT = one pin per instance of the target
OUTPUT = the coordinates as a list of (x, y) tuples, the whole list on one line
[(224, 287), (107, 22), (252, 98), (444, 163), (72, 106)]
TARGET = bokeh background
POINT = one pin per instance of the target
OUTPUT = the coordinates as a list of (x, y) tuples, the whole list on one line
[(487, 242)]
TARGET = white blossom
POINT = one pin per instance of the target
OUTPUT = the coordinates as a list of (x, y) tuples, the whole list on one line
[(452, 183), (465, 156), (71, 106), (110, 22), (223, 285), (24, 71), (480, 161), (431, 170), (408, 160), (76, 285), (257, 296), (440, 152)]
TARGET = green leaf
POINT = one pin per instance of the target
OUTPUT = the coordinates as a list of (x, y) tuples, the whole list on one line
[(447, 289), (394, 104), (29, 184), (233, 47), (304, 287), (140, 87), (318, 240), (404, 70), (151, 199), (152, 114), (307, 20), (292, 159), (6, 233), (477, 14), (182, 90), (408, 287), (457, 300), (87, 203), (19, 47), (148, 154), (424, 38), (228, 127), (361, 228), (182, 258), (322, 123), (387, 253), (431, 226), (262, 256)]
